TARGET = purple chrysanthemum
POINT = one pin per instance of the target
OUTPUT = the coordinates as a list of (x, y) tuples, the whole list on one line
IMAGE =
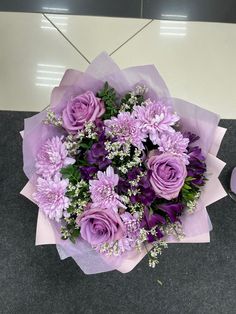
[(174, 143), (50, 197), (132, 227), (125, 128), (103, 192), (155, 118), (52, 157)]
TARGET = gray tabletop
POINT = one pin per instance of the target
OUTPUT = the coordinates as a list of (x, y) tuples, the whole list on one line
[(197, 278)]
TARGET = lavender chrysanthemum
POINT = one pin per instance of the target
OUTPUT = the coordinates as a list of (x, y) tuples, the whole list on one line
[(103, 192), (125, 128), (132, 227), (155, 118), (174, 143), (52, 157), (50, 197)]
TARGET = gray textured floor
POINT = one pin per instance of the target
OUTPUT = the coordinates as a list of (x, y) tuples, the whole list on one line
[(197, 278)]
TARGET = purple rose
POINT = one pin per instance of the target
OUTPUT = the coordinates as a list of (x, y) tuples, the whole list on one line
[(81, 109), (100, 226), (167, 175)]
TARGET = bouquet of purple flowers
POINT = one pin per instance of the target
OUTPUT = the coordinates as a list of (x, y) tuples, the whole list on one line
[(118, 168)]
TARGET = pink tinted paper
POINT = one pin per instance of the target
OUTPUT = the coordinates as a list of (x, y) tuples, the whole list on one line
[(219, 134), (44, 230)]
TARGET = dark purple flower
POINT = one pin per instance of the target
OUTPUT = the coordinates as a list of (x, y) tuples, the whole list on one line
[(88, 172), (97, 156), (191, 136), (133, 173), (172, 210), (146, 195), (99, 126), (152, 220), (97, 151), (199, 181), (123, 186), (195, 154), (197, 165)]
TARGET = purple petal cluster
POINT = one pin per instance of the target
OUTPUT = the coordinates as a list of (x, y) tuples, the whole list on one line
[(155, 118), (191, 136), (150, 221), (173, 210), (146, 193), (103, 192), (132, 231), (132, 225), (125, 128), (51, 157), (197, 165), (174, 143), (88, 172), (50, 196), (96, 156)]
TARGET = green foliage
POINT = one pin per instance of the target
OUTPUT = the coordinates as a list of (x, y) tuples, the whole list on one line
[(71, 173), (85, 145), (72, 231), (70, 209), (108, 95), (127, 99), (74, 235), (189, 190)]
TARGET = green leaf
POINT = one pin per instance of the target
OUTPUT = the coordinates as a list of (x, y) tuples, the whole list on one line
[(186, 187), (74, 235), (68, 171), (108, 95), (189, 179), (70, 209), (71, 173), (72, 239), (106, 86), (84, 145)]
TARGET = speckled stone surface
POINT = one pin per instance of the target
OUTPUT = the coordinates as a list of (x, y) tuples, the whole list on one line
[(197, 278)]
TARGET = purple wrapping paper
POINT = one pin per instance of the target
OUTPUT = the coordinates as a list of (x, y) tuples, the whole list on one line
[(193, 118)]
